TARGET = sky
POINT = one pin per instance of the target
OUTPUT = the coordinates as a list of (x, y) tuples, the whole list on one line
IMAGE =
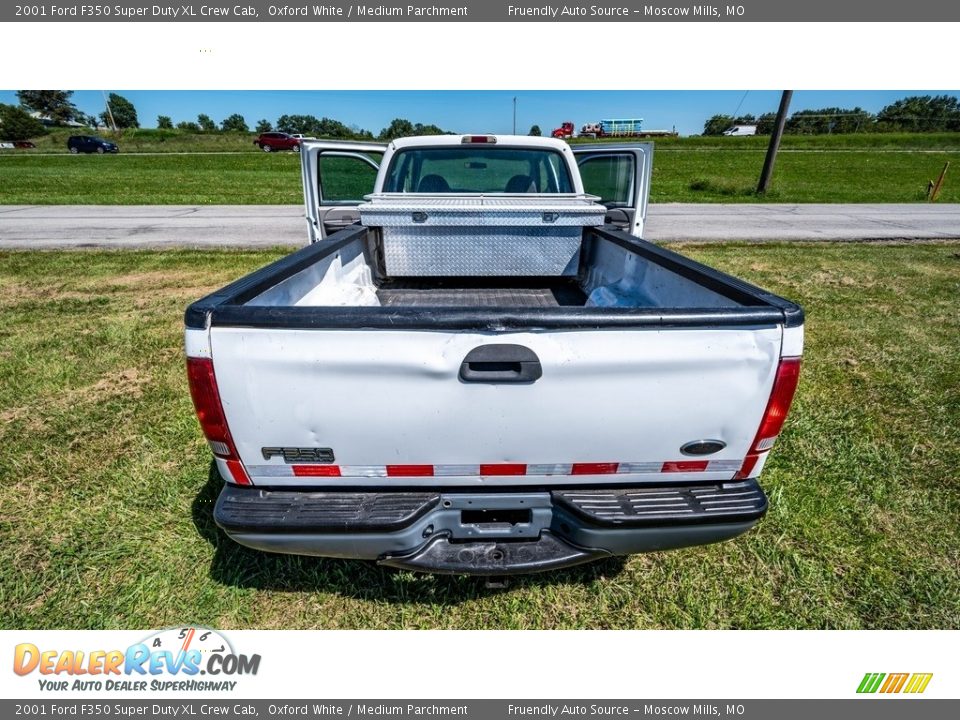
[(481, 111)]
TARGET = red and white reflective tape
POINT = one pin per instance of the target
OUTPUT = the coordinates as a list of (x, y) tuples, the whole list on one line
[(494, 469)]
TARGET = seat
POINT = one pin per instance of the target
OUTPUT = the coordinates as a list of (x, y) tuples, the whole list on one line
[(433, 184), (521, 184)]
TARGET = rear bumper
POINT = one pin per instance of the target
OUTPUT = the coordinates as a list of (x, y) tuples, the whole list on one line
[(489, 533)]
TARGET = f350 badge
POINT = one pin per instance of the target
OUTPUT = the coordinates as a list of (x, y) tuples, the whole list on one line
[(296, 455)]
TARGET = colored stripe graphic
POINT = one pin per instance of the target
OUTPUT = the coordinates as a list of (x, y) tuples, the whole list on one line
[(894, 683), (918, 682), (870, 682)]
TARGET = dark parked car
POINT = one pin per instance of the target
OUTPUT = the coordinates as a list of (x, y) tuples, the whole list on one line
[(271, 141), (90, 144)]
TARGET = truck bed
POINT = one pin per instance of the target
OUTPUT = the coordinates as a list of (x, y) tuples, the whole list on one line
[(616, 273), (621, 282), (488, 292)]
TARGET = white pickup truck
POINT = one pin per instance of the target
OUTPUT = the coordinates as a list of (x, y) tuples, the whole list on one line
[(476, 367)]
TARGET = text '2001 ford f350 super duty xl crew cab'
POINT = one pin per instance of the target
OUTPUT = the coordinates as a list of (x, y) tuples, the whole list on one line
[(476, 367)]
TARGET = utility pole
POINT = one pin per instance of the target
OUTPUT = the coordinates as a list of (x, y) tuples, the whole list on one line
[(514, 115), (774, 142), (109, 111)]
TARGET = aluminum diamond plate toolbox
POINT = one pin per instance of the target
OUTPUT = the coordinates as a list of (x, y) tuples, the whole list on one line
[(444, 235)]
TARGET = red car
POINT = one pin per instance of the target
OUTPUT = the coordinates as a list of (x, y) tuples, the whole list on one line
[(270, 141)]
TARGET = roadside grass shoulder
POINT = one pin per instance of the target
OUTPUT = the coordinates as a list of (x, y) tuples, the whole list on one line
[(105, 504), (816, 177), (199, 179), (831, 169)]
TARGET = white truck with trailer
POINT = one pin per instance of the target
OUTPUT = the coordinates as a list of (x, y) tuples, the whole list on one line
[(477, 367)]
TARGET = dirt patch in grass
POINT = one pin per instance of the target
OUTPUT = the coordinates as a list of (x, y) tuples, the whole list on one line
[(840, 278), (164, 282), (11, 415), (15, 293), (147, 287), (128, 383), (162, 279)]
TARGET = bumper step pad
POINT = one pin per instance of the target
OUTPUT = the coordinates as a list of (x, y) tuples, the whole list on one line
[(241, 510), (714, 503)]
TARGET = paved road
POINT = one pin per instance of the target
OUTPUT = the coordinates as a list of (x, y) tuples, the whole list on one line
[(704, 222), (77, 226)]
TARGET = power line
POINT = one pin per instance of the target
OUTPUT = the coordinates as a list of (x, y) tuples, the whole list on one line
[(741, 103)]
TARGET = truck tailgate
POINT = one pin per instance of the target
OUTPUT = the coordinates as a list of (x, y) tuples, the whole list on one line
[(391, 407)]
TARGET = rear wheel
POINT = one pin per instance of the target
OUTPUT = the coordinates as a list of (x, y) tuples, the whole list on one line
[(74, 151), (266, 148), (296, 148)]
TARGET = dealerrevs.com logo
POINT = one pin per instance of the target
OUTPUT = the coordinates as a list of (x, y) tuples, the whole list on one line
[(173, 659)]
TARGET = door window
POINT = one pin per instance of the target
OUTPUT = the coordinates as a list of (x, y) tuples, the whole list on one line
[(346, 178), (611, 177)]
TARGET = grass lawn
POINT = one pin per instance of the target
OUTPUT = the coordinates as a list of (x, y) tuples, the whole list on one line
[(106, 492), (850, 168), (198, 179)]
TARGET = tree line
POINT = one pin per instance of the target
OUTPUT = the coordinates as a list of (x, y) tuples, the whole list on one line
[(918, 113), (57, 108), (311, 125)]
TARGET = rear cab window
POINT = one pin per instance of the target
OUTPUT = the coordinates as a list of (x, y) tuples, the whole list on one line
[(477, 169)]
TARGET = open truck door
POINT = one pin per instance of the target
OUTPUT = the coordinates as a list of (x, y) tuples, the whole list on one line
[(336, 175), (620, 176)]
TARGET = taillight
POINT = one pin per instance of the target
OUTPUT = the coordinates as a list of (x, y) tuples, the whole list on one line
[(206, 400), (471, 139), (784, 386)]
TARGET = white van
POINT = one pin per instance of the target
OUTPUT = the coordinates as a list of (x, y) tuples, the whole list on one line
[(741, 130)]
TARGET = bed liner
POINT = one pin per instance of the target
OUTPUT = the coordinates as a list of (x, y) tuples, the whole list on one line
[(481, 292)]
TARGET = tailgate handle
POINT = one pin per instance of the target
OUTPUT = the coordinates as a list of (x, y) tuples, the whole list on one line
[(501, 364)]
